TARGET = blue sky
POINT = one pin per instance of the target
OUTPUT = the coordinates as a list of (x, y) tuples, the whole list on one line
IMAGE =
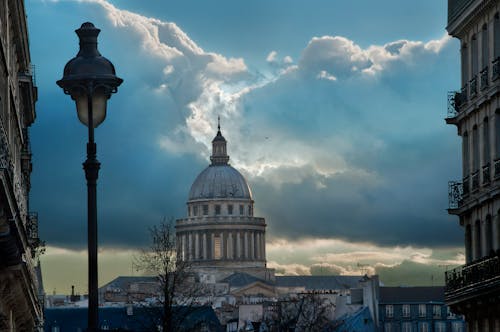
[(334, 111)]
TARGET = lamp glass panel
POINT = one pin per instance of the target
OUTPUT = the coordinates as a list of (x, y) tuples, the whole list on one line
[(99, 100)]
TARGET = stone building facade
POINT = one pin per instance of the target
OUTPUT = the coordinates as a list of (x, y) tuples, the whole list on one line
[(474, 288), (20, 307), (221, 235)]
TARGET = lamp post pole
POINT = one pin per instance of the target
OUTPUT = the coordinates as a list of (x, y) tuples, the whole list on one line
[(90, 80), (91, 167)]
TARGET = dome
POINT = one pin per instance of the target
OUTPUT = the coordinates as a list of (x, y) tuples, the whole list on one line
[(220, 181)]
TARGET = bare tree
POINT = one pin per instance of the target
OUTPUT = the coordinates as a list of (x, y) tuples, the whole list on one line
[(177, 288), (307, 312)]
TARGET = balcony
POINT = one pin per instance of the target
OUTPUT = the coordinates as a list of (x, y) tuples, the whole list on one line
[(455, 194), (455, 100), (486, 174), (469, 280), (475, 181), (495, 73), (484, 78), (473, 87)]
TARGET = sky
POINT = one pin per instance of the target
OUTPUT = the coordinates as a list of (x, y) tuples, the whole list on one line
[(333, 111)]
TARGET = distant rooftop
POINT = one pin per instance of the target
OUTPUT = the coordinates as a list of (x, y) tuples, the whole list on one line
[(411, 294), (319, 282)]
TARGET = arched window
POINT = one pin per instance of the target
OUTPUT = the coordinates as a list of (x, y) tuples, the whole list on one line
[(486, 142), (488, 233), (475, 149), (496, 36), (468, 244), (465, 64), (485, 49), (477, 240), (474, 55), (465, 151)]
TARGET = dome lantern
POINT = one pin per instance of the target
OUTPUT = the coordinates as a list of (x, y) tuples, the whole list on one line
[(219, 148)]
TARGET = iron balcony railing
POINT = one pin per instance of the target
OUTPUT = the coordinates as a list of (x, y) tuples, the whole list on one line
[(455, 194), (472, 274), (466, 187), (455, 101), (475, 181), (473, 86), (495, 72), (484, 78), (486, 174)]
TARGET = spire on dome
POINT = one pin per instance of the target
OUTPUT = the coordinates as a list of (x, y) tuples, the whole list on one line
[(219, 153)]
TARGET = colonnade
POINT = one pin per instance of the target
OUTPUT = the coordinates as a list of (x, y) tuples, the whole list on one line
[(222, 245)]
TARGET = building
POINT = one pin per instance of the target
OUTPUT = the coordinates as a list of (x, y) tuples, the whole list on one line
[(474, 288), (130, 318), (422, 309), (221, 235), (20, 308)]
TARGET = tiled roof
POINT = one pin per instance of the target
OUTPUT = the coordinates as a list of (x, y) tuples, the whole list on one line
[(411, 294)]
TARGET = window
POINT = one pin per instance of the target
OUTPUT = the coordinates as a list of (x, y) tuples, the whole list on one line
[(436, 311), (465, 64), (476, 253), (205, 209), (250, 210), (474, 55), (406, 310), (406, 327), (465, 149), (497, 134), (496, 36), (217, 209), (189, 211), (217, 247), (485, 49), (241, 210), (486, 142), (468, 243), (422, 310), (489, 235), (389, 310), (475, 149), (423, 327), (388, 327), (440, 327), (195, 210), (230, 209), (457, 327)]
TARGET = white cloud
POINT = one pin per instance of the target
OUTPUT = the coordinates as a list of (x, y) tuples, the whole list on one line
[(271, 57)]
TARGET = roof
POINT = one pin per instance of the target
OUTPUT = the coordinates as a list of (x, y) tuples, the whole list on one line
[(360, 321), (319, 282), (124, 282), (138, 319), (220, 181), (241, 279), (411, 294)]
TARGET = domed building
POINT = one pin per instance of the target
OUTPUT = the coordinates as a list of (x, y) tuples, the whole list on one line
[(221, 235)]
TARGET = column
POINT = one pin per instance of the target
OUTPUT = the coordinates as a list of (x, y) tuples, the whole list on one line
[(212, 247), (205, 245), (196, 246), (190, 246), (230, 246), (245, 238), (222, 246), (257, 245), (184, 247), (238, 245), (264, 245), (251, 246)]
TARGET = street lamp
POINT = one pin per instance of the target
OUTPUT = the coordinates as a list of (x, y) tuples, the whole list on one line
[(90, 79)]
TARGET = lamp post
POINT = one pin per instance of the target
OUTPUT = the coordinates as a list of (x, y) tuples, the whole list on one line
[(90, 79)]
